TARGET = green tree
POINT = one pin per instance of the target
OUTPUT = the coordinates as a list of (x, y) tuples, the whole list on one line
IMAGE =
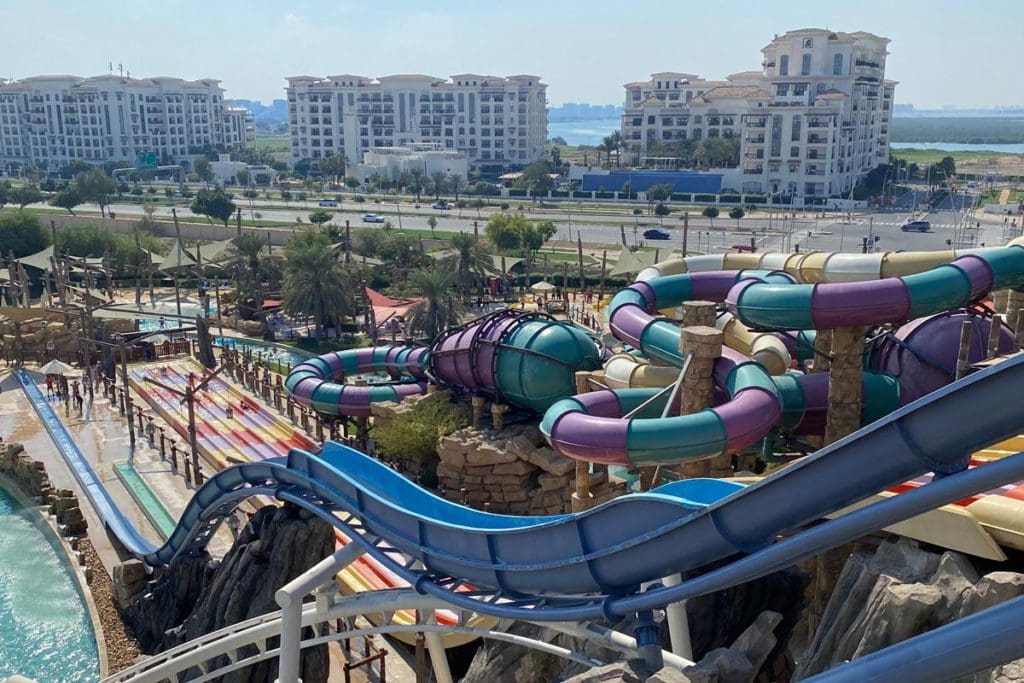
[(96, 186), (471, 262), (320, 216), (5, 192), (22, 233), (23, 195), (661, 210), (736, 214), (438, 178), (243, 177), (533, 235), (456, 183), (315, 284), (286, 196), (67, 199), (536, 178), (660, 193), (711, 213), (333, 165), (416, 186), (352, 183), (213, 203), (504, 230), (203, 170), (253, 270), (432, 223), (612, 144), (438, 310)]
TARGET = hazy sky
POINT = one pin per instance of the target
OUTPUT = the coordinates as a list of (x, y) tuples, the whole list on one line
[(942, 52)]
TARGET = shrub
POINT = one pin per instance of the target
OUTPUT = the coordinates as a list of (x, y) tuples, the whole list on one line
[(412, 438)]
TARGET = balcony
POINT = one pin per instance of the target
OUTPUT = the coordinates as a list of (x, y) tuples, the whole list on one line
[(759, 140), (818, 123), (816, 140), (753, 170)]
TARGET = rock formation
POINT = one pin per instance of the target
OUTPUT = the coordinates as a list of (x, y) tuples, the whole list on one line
[(196, 595), (512, 471), (898, 592)]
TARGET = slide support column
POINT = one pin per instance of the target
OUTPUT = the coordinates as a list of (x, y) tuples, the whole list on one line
[(581, 497), (844, 383), (699, 384)]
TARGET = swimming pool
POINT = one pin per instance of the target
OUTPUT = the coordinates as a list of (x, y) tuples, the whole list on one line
[(45, 631)]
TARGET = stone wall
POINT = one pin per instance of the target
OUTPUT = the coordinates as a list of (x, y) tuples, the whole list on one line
[(32, 480), (511, 471)]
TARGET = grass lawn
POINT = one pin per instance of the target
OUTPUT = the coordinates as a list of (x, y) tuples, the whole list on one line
[(274, 143), (992, 197), (931, 156)]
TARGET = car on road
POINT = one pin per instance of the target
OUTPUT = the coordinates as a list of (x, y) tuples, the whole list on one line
[(328, 203), (656, 234), (916, 226), (372, 218), (439, 205)]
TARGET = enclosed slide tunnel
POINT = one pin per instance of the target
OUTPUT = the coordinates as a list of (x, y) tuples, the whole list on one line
[(527, 359), (590, 426)]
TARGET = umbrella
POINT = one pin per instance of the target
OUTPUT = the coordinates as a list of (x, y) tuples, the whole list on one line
[(56, 367), (542, 286)]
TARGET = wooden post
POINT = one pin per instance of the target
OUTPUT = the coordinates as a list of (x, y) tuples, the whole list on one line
[(964, 354), (582, 499), (1018, 334), (478, 411), (604, 274), (579, 255), (993, 335), (498, 411), (193, 445), (844, 383), (698, 390)]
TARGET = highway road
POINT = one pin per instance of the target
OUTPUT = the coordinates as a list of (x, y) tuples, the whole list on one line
[(830, 232)]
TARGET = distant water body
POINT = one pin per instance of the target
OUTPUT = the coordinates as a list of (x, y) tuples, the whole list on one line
[(593, 131), (583, 132)]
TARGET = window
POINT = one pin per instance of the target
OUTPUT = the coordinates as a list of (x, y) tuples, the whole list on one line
[(794, 152), (784, 65), (808, 42), (805, 65), (796, 128), (837, 65), (782, 89), (650, 120)]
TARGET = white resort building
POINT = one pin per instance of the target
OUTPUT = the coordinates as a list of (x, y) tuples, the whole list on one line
[(811, 123), (48, 121), (494, 121)]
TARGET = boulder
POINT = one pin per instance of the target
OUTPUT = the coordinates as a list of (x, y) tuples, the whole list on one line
[(549, 461), (899, 592), (196, 596)]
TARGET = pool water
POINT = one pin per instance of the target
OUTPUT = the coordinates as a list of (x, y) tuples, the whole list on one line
[(45, 632)]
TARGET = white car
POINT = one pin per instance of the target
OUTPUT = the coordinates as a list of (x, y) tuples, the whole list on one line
[(372, 218), (328, 203)]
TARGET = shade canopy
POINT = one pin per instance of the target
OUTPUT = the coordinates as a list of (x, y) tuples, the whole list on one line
[(56, 367), (542, 286), (633, 262)]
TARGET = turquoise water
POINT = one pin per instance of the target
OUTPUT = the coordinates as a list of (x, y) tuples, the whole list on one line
[(284, 356), (45, 632)]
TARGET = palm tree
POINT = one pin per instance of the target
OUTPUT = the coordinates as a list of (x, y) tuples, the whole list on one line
[(315, 283), (602, 148), (438, 310), (613, 143), (456, 183), (439, 179), (471, 262), (417, 182), (253, 268)]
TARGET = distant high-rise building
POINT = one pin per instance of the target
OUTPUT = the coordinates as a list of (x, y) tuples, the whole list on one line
[(49, 121), (494, 121), (811, 123)]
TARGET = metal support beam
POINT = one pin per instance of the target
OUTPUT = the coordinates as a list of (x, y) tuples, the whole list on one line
[(289, 598)]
